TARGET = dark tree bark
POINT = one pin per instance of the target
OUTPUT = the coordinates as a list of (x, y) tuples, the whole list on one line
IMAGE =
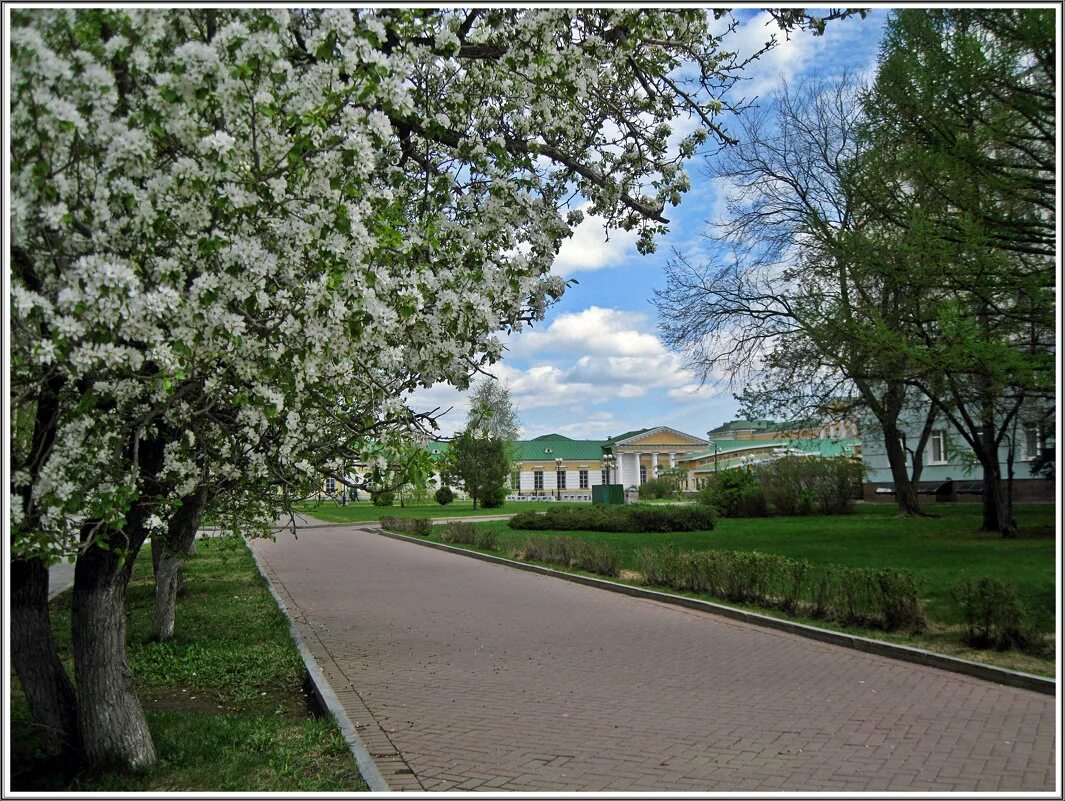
[(48, 688), (905, 491), (110, 718), (180, 535)]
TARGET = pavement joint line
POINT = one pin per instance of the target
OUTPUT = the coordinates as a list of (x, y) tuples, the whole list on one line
[(372, 775), (904, 653)]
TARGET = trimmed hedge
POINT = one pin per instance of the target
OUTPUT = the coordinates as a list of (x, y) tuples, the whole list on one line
[(421, 526), (886, 598), (595, 557), (639, 519), (444, 496), (994, 616), (469, 534)]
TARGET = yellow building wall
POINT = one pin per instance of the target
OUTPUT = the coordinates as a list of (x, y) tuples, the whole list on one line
[(664, 438)]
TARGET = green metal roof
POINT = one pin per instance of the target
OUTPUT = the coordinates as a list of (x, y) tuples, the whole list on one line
[(764, 425), (535, 450), (561, 447), (626, 435), (805, 447)]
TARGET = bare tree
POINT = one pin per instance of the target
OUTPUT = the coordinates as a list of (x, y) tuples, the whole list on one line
[(793, 302)]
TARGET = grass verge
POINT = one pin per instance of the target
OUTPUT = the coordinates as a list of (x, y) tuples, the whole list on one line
[(936, 550), (227, 700)]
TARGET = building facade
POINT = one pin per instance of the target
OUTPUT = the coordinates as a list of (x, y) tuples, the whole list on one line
[(949, 469)]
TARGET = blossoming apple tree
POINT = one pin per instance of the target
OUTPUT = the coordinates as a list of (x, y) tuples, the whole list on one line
[(240, 236)]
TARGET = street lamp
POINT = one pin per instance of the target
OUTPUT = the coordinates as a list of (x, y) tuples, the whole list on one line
[(714, 443), (608, 460), (558, 469)]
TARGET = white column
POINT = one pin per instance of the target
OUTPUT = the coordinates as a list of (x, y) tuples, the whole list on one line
[(672, 460), (621, 468), (654, 465)]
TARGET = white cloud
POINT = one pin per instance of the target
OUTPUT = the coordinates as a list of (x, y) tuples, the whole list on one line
[(594, 330), (592, 248)]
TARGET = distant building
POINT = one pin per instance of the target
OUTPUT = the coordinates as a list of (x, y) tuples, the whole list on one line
[(556, 466), (949, 470)]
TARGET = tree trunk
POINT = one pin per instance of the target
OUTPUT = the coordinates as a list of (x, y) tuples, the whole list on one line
[(997, 503), (905, 488), (48, 688), (110, 718), (181, 533), (111, 721)]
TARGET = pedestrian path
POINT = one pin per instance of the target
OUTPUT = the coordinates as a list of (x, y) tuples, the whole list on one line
[(461, 674), (60, 578)]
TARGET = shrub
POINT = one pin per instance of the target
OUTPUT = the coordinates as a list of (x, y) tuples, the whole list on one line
[(493, 499), (658, 488), (383, 498), (469, 534), (595, 557), (634, 518), (884, 598), (801, 485), (735, 493), (408, 525), (994, 616), (444, 496)]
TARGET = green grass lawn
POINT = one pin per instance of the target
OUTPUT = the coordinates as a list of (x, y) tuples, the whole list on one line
[(226, 699), (363, 511), (938, 551)]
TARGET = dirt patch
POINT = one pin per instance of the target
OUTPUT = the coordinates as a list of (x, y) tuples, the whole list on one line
[(630, 575)]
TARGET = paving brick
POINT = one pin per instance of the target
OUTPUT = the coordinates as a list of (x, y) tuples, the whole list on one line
[(479, 677)]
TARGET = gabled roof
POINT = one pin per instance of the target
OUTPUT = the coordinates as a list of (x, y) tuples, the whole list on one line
[(634, 437), (549, 436), (625, 436)]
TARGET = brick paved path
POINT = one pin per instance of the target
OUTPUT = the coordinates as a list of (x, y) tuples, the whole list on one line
[(462, 674)]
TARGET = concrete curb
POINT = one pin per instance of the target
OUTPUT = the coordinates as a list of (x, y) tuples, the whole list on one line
[(371, 774), (905, 653)]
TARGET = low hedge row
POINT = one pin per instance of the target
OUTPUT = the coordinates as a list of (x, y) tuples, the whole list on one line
[(595, 557), (885, 598), (994, 615), (407, 525), (637, 519), (469, 534)]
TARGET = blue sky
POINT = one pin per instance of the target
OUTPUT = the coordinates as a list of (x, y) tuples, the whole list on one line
[(595, 367)]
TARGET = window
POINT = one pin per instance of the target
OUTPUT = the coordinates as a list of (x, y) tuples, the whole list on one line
[(330, 484), (1030, 442), (604, 476), (583, 479), (515, 480), (538, 479), (937, 447), (643, 474), (560, 479)]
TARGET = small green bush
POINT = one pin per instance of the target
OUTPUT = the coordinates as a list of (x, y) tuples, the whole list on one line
[(407, 525), (493, 499), (994, 616), (469, 534), (735, 493), (444, 496), (803, 485), (383, 498), (883, 598), (595, 557), (633, 518)]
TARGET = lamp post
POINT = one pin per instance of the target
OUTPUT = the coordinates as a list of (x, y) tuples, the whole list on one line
[(608, 460), (714, 443), (558, 469)]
